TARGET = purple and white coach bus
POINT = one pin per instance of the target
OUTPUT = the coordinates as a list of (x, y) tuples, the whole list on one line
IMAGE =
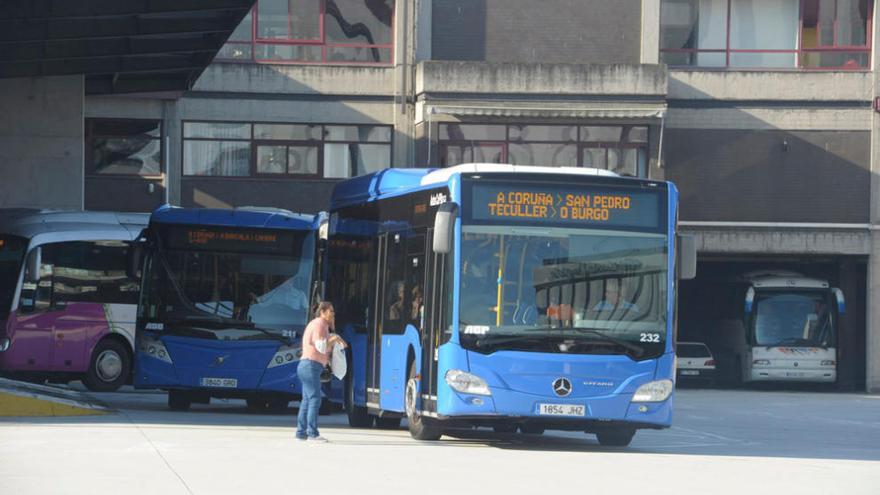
[(67, 301)]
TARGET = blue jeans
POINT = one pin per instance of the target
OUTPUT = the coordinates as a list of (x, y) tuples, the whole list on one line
[(309, 373)]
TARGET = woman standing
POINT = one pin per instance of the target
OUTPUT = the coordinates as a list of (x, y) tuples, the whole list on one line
[(317, 345)]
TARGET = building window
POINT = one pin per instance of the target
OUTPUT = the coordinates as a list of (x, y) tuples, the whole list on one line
[(806, 34), (314, 32), (620, 149), (236, 149), (123, 147)]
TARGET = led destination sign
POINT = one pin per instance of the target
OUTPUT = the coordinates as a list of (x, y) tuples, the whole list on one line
[(229, 239), (561, 205)]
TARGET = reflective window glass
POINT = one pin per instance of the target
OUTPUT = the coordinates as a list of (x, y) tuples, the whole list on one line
[(359, 21), (218, 130), (218, 158)]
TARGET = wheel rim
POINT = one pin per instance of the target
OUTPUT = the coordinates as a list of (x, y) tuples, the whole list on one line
[(108, 366), (410, 402)]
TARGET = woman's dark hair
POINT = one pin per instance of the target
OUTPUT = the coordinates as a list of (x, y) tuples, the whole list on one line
[(321, 307)]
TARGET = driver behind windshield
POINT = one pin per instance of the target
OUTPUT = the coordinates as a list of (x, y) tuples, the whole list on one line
[(290, 293)]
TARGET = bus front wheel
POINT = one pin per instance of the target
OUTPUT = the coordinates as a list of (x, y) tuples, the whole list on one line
[(616, 438), (420, 427), (179, 400)]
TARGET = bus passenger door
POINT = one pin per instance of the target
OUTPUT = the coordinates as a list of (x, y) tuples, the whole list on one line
[(32, 334), (374, 337), (435, 298)]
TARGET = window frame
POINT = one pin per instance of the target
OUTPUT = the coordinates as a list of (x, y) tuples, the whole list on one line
[(321, 42), (799, 51), (89, 136), (580, 144), (254, 143)]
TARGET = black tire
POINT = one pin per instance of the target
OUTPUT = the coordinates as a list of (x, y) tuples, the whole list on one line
[(616, 438), (420, 427), (357, 415), (388, 423), (109, 367), (505, 428), (179, 400), (530, 429)]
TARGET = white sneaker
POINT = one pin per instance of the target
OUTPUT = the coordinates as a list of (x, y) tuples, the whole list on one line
[(318, 439)]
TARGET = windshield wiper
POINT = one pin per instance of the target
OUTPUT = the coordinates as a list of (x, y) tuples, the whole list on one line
[(637, 351)]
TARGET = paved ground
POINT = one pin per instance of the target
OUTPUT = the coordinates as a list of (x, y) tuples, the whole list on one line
[(723, 442)]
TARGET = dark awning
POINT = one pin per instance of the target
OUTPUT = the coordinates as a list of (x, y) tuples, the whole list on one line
[(121, 46)]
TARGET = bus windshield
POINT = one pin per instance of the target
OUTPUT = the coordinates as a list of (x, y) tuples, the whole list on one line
[(563, 290), (12, 250), (230, 295), (786, 318)]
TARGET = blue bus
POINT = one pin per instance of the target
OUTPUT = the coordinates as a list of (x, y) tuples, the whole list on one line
[(514, 297), (225, 296)]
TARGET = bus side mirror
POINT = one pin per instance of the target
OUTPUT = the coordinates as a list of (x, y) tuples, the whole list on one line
[(750, 300), (841, 304), (444, 228), (133, 263), (687, 256), (323, 226), (32, 267)]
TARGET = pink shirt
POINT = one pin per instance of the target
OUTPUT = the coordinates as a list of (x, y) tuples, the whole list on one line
[(316, 331)]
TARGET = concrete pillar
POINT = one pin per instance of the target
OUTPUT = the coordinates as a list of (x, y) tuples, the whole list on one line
[(650, 32), (41, 142), (850, 341), (872, 337), (173, 131)]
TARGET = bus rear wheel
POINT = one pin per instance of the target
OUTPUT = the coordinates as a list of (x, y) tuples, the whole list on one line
[(109, 367), (420, 428), (616, 438)]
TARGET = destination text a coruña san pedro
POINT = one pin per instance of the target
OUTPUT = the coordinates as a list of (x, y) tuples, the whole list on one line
[(524, 204)]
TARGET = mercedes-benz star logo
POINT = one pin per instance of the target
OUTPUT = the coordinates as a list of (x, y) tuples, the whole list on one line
[(562, 387), (220, 360)]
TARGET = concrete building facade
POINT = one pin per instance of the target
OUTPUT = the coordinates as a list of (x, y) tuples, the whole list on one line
[(761, 114)]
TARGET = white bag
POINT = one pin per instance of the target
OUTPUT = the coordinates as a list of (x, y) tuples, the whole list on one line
[(338, 363)]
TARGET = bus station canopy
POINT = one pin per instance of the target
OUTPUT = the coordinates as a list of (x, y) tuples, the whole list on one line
[(120, 46)]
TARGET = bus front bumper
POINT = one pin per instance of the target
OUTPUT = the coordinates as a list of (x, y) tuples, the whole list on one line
[(793, 375), (512, 406)]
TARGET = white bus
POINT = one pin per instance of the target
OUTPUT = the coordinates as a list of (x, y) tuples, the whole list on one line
[(788, 331)]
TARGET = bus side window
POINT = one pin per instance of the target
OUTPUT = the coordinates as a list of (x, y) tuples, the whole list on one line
[(92, 272), (395, 288), (415, 278)]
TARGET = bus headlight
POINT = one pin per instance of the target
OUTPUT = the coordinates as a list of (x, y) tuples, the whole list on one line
[(761, 362), (153, 348), (4, 344), (657, 391), (467, 383), (828, 362), (284, 355)]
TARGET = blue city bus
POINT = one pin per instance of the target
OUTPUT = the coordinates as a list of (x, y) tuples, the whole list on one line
[(225, 298), (514, 297)]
